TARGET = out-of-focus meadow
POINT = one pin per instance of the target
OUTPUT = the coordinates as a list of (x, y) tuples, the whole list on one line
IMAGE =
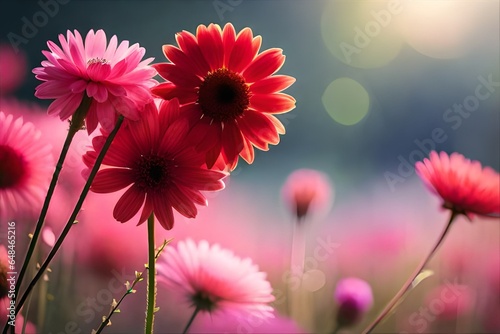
[(379, 84)]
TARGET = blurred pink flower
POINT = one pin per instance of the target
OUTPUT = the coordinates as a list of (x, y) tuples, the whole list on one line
[(354, 298), (26, 165), (155, 157), (112, 75), (54, 132), (464, 186), (12, 69), (450, 301), (228, 88), (214, 279), (231, 324), (307, 190)]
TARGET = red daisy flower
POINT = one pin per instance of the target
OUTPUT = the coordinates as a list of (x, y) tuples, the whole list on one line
[(464, 185), (228, 89), (154, 156)]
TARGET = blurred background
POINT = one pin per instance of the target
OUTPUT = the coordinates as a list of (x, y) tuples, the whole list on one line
[(379, 84)]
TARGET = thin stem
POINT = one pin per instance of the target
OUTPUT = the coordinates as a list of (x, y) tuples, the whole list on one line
[(407, 285), (151, 293), (72, 218), (77, 121), (336, 329), (130, 289), (196, 310), (296, 267)]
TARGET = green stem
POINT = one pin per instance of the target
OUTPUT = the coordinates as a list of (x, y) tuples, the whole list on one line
[(151, 286), (406, 287), (72, 218), (196, 310)]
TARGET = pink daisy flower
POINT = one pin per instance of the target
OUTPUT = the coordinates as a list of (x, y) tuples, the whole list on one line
[(228, 89), (307, 190), (26, 165), (464, 185), (112, 75), (154, 156), (214, 279)]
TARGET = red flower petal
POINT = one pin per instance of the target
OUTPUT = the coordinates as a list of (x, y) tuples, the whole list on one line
[(205, 134), (194, 195), (248, 153), (168, 91), (273, 84), (112, 179), (129, 204), (228, 39), (189, 45), (244, 50), (168, 113), (174, 137), (210, 42), (177, 75), (261, 126), (163, 210), (279, 126), (198, 178), (265, 64), (179, 58), (232, 141), (146, 210), (272, 103), (181, 203)]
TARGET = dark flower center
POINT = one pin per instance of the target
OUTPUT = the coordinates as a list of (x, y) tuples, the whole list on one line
[(203, 301), (223, 95), (12, 167), (152, 173)]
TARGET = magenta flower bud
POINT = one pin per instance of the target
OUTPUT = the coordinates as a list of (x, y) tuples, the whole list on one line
[(354, 298)]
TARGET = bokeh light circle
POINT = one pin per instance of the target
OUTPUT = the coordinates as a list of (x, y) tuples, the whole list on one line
[(313, 280), (346, 101), (365, 34)]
